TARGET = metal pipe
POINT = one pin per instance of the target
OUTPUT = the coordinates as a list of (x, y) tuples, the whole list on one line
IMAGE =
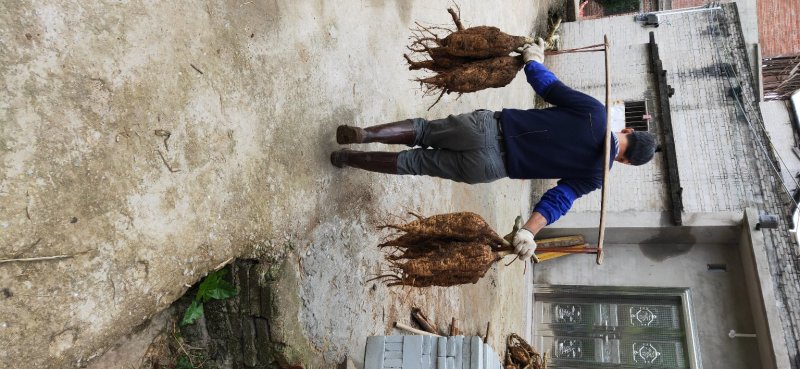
[(710, 6)]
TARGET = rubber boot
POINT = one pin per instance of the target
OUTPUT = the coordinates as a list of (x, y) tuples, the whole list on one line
[(373, 161), (400, 132)]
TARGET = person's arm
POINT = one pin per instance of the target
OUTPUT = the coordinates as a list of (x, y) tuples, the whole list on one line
[(557, 201), (554, 203), (539, 77), (555, 92), (535, 223)]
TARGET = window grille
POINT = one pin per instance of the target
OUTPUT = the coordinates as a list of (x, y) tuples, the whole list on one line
[(637, 116)]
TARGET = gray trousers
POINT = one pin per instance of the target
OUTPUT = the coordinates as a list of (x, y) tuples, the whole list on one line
[(463, 148)]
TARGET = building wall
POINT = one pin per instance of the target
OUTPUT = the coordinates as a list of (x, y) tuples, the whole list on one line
[(711, 136), (720, 143), (719, 298)]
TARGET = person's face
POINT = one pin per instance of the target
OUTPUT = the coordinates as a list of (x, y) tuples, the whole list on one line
[(621, 158)]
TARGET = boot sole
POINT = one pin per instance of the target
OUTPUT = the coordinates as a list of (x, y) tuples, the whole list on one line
[(339, 158), (349, 135)]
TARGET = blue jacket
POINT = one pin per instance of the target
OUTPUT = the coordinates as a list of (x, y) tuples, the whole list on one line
[(565, 141)]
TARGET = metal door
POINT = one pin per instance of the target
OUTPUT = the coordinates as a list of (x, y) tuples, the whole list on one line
[(607, 331)]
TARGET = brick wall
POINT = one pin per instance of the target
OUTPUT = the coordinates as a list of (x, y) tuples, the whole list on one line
[(779, 27), (721, 163)]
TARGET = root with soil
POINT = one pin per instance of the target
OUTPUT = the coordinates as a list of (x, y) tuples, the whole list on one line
[(520, 355), (465, 59), (442, 250)]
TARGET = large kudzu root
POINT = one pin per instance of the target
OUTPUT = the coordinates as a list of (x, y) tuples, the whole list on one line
[(481, 42), (452, 264), (438, 63), (464, 226), (475, 76)]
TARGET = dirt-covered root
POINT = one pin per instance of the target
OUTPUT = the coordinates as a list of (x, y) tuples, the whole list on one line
[(463, 226), (481, 42), (465, 59), (441, 250), (439, 61), (461, 47), (446, 264), (475, 76), (520, 355)]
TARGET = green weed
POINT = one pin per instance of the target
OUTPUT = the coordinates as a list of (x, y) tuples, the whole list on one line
[(213, 287)]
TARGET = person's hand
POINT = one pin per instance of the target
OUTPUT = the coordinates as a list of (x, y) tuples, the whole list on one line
[(533, 52), (524, 245)]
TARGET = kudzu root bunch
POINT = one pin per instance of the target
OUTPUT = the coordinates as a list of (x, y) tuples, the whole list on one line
[(441, 250), (465, 60)]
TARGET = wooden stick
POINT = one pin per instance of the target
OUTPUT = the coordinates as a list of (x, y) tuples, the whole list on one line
[(570, 249), (544, 243), (486, 337), (411, 329), (418, 316), (602, 231), (223, 264), (43, 258), (453, 329)]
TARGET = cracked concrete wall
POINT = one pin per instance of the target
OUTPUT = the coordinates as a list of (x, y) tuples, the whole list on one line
[(251, 92)]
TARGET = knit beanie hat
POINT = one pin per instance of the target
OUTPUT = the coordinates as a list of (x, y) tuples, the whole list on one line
[(641, 147)]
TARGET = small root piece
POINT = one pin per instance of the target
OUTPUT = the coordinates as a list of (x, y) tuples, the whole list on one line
[(456, 18), (438, 99)]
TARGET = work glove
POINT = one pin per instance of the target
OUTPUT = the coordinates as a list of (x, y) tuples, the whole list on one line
[(533, 52), (524, 245)]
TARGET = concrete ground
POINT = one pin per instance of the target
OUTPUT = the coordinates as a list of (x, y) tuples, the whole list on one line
[(251, 93)]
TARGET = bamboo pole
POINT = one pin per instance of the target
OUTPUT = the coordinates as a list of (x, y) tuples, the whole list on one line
[(602, 230)]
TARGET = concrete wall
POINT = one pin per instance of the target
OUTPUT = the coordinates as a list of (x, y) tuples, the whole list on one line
[(720, 300), (778, 121), (771, 335)]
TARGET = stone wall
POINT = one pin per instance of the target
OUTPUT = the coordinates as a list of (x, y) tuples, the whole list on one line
[(255, 329)]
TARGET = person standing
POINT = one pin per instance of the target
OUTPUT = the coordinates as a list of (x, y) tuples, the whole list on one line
[(564, 142)]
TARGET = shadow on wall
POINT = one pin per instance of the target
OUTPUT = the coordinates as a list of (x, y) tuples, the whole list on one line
[(664, 251), (662, 246)]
